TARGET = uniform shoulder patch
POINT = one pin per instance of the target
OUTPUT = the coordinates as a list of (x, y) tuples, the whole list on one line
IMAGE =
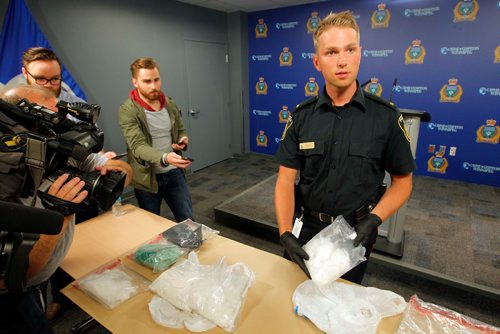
[(306, 103), (381, 100)]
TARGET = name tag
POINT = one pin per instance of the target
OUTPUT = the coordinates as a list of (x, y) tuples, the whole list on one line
[(307, 146), (297, 227)]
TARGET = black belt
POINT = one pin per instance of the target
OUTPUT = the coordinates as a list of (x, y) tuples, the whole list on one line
[(351, 218)]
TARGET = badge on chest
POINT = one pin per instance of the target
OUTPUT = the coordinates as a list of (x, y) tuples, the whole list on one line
[(307, 146)]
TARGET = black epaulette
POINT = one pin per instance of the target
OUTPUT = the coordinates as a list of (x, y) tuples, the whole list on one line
[(306, 103), (381, 100)]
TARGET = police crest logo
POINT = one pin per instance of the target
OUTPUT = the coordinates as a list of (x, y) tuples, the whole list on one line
[(261, 87), (465, 10), (451, 92), (415, 53), (261, 29), (489, 133), (374, 87), (261, 139), (313, 23), (438, 163), (284, 114), (381, 17), (286, 57), (311, 87), (497, 55)]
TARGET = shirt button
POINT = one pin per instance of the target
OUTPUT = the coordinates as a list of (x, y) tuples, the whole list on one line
[(338, 116), (335, 143)]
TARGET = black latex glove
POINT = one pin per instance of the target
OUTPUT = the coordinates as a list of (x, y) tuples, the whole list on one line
[(295, 251), (364, 228)]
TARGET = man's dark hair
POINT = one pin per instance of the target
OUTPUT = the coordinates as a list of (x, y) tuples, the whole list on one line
[(39, 53)]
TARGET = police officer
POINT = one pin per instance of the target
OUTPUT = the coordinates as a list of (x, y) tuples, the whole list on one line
[(342, 142)]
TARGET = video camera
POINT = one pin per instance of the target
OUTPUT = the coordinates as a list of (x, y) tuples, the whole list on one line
[(34, 137)]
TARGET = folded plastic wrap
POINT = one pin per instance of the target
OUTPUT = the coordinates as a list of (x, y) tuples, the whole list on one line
[(216, 292), (345, 308), (166, 314), (189, 234), (112, 284), (332, 253), (426, 318)]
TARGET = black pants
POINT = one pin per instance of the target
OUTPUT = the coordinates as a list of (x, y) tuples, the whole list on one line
[(312, 226)]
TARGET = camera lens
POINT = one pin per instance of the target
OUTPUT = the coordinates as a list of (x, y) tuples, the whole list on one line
[(104, 188)]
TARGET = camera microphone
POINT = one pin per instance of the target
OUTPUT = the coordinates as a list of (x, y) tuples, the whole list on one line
[(26, 219)]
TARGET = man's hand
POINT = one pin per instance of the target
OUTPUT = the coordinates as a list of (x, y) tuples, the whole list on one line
[(365, 227), (295, 251), (181, 145), (109, 154), (177, 160), (69, 191)]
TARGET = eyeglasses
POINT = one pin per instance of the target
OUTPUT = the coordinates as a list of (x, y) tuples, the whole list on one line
[(43, 81)]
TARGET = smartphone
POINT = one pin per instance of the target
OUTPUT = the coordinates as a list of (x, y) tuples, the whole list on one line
[(121, 155), (186, 158)]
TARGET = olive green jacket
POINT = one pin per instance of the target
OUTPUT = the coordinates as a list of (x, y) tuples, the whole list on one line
[(141, 154)]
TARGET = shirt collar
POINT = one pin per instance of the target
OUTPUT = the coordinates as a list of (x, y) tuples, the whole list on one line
[(358, 99)]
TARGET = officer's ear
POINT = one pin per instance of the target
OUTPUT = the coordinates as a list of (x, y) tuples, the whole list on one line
[(316, 62)]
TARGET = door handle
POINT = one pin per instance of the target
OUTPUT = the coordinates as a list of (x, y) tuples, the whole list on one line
[(193, 112)]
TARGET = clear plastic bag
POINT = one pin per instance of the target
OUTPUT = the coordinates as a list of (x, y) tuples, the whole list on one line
[(426, 318), (332, 253), (189, 234), (112, 284), (157, 254), (345, 308), (216, 292)]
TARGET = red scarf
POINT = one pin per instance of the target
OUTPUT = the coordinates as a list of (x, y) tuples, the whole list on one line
[(134, 95)]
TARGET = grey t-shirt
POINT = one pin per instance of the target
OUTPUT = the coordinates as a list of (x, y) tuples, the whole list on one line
[(160, 129)]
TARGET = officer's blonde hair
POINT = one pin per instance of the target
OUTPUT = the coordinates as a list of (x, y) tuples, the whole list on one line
[(343, 19)]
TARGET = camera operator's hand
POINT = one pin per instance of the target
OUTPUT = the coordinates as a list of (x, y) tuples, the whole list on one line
[(181, 145), (177, 160), (70, 191)]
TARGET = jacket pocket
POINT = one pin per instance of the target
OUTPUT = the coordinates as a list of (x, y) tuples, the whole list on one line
[(12, 174)]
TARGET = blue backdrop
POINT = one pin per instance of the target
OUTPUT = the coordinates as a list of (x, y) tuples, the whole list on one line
[(445, 55)]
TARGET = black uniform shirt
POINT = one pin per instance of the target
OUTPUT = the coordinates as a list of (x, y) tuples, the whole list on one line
[(342, 153)]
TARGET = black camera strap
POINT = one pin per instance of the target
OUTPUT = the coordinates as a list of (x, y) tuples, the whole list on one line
[(36, 148), (59, 205)]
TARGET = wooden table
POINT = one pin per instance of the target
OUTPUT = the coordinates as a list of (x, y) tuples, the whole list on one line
[(268, 305)]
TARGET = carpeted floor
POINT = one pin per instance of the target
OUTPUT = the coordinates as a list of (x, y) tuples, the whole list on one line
[(464, 228)]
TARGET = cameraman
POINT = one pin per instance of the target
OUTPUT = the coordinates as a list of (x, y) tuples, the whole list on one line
[(25, 313)]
